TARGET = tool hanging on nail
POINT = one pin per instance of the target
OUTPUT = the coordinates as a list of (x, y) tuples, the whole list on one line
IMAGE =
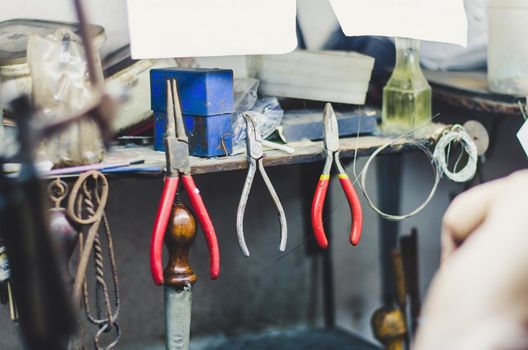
[(179, 166), (86, 206), (61, 229), (331, 152), (255, 157), (179, 278)]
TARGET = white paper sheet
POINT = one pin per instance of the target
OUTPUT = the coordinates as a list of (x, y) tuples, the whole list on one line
[(197, 28), (522, 135), (434, 20)]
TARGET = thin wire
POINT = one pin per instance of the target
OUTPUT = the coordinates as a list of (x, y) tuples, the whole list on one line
[(438, 176), (455, 167), (364, 171)]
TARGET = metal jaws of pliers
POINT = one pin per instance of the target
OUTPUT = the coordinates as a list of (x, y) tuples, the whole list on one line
[(179, 166), (331, 152), (255, 155)]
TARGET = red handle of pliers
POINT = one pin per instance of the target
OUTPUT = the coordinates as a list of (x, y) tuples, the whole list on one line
[(356, 212), (206, 224), (317, 211), (160, 226)]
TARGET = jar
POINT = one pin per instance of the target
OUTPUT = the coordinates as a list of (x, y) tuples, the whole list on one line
[(407, 97), (507, 47)]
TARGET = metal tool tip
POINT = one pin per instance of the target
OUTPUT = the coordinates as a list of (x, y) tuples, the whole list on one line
[(328, 108)]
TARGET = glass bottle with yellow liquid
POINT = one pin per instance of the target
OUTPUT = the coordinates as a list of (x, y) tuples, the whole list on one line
[(407, 101)]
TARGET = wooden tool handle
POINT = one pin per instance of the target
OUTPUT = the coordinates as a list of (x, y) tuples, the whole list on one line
[(179, 239), (388, 325), (400, 284)]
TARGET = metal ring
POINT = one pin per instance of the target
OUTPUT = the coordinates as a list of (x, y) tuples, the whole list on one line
[(57, 190), (101, 200), (457, 134), (107, 327)]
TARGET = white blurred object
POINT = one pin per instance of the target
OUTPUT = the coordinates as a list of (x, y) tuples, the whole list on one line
[(60, 88), (508, 48), (332, 76), (439, 56), (2, 138), (435, 20), (192, 28)]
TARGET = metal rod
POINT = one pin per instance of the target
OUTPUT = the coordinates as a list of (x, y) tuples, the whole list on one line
[(95, 79), (328, 269), (389, 190)]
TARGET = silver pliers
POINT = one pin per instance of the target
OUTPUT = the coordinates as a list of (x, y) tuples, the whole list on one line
[(255, 155)]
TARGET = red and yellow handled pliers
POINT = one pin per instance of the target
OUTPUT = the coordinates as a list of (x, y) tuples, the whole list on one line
[(331, 151), (178, 165)]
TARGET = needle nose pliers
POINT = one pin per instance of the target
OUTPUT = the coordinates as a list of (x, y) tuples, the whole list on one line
[(255, 155), (331, 152), (178, 165)]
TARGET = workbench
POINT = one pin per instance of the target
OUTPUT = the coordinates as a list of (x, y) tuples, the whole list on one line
[(470, 91), (304, 153)]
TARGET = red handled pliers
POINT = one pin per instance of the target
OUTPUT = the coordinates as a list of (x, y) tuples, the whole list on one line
[(178, 165), (331, 151)]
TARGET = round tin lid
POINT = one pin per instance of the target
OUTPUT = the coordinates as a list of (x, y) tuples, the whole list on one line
[(14, 35)]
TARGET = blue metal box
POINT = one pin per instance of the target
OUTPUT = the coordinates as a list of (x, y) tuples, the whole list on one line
[(208, 136), (306, 124), (203, 92)]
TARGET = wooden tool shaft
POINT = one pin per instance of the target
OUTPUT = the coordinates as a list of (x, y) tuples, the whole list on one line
[(389, 327), (179, 239), (400, 284)]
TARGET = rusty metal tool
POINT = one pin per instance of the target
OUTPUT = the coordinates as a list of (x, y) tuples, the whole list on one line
[(331, 152), (255, 157), (85, 208), (179, 166), (65, 235), (179, 278)]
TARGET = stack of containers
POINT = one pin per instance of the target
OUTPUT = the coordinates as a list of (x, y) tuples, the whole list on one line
[(206, 98)]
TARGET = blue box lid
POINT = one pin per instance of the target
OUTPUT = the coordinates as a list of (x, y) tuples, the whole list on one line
[(203, 91)]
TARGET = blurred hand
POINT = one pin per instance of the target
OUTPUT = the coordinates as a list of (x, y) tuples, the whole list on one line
[(479, 298)]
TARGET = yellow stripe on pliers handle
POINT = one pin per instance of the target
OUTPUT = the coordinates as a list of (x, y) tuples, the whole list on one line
[(324, 177)]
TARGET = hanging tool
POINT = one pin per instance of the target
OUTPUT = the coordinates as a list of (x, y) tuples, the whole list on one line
[(178, 165), (331, 152), (179, 278), (62, 231), (86, 206), (255, 156)]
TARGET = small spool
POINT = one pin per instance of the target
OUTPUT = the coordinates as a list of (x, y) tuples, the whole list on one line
[(457, 134)]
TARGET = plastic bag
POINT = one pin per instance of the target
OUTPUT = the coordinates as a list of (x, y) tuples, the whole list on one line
[(268, 112), (61, 88)]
